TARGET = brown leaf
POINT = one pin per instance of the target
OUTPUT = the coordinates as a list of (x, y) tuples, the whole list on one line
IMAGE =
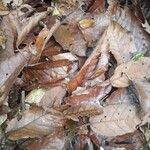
[(133, 70), (101, 22), (98, 4), (31, 23), (88, 109), (69, 36), (46, 73), (10, 68), (95, 93), (3, 10), (88, 69), (39, 44), (34, 123), (127, 20), (117, 118), (47, 98), (52, 142)]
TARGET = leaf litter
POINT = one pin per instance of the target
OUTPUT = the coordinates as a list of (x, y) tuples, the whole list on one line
[(82, 74)]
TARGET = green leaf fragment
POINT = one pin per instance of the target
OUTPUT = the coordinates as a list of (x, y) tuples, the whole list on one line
[(137, 56)]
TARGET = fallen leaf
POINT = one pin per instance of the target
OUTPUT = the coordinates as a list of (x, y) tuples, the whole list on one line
[(95, 94), (87, 109), (3, 10), (117, 118), (69, 36), (94, 32), (45, 73), (133, 70), (34, 122), (54, 141), (10, 71), (126, 18), (90, 65), (98, 4), (39, 44), (30, 24), (47, 98)]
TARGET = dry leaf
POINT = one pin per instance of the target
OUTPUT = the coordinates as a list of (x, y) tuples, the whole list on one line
[(95, 94), (71, 39), (34, 123), (3, 10), (127, 20), (117, 118), (98, 4), (46, 73), (88, 109), (134, 70), (39, 44), (10, 71), (47, 98), (55, 141), (69, 36), (89, 68), (31, 23), (101, 22)]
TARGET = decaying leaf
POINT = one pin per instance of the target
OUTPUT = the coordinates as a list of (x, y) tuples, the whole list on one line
[(47, 98), (3, 10), (46, 73), (39, 44), (117, 118), (34, 123), (95, 94), (10, 71), (83, 109), (52, 142), (88, 69), (70, 37), (31, 23), (126, 18), (134, 70)]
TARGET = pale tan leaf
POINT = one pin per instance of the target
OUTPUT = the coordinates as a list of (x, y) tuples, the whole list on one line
[(133, 70), (3, 10), (126, 18), (39, 44), (34, 122), (101, 22), (31, 23), (116, 120)]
